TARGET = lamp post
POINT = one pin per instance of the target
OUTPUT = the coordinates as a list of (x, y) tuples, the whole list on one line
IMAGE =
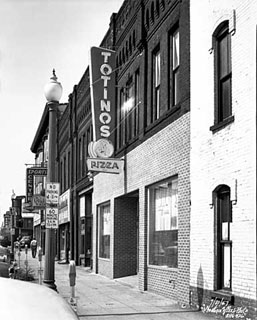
[(12, 226), (53, 93)]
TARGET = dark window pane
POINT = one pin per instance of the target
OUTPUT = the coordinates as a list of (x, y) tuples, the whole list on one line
[(225, 99), (176, 91), (223, 73), (223, 51)]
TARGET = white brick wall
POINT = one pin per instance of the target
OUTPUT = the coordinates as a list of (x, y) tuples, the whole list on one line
[(163, 155), (229, 154)]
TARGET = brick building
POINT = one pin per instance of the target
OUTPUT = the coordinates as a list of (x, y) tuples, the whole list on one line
[(223, 152), (182, 214), (141, 217), (136, 222), (74, 135)]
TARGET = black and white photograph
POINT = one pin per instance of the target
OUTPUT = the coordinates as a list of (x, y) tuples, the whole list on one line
[(128, 166)]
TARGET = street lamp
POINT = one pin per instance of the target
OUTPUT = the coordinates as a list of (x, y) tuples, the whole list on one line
[(53, 93), (12, 226)]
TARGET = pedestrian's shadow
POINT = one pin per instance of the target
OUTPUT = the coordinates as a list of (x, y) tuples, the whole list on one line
[(200, 285)]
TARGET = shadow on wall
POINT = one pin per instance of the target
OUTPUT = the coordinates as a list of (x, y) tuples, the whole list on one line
[(200, 284)]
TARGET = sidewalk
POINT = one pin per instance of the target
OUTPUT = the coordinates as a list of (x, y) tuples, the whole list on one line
[(98, 297)]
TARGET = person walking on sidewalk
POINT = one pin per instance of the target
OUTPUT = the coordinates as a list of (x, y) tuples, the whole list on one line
[(13, 270), (33, 246)]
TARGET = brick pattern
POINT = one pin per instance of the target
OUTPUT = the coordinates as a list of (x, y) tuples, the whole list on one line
[(158, 158), (229, 155), (125, 237)]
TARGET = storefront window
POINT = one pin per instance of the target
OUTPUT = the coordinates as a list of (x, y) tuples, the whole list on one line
[(163, 224), (104, 231)]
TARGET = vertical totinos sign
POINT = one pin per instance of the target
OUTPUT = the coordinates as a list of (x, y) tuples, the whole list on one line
[(102, 78)]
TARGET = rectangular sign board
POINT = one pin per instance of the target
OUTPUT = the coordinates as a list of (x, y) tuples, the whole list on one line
[(52, 193), (52, 218), (30, 173), (105, 165)]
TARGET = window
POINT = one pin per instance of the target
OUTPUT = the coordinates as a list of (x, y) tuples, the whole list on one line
[(156, 85), (80, 159), (89, 138), (121, 120), (137, 103), (223, 72), (61, 180), (163, 224), (84, 148), (224, 244), (129, 108), (128, 111), (69, 169), (46, 147), (64, 174), (174, 62), (104, 231)]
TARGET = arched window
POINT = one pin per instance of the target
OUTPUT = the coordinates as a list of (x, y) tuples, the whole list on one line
[(223, 243), (223, 72)]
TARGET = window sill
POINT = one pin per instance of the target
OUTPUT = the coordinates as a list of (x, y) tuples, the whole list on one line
[(218, 126), (104, 259), (152, 266), (223, 295)]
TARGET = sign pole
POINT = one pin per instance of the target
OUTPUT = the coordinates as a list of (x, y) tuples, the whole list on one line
[(49, 272)]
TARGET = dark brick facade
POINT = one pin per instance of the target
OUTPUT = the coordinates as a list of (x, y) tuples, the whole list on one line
[(156, 150)]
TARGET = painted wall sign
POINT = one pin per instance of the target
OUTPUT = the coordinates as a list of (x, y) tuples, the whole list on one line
[(105, 165), (102, 78)]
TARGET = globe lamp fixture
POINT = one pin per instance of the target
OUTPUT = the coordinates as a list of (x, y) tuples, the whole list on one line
[(53, 89)]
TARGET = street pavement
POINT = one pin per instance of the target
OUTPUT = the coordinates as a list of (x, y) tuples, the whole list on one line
[(97, 297)]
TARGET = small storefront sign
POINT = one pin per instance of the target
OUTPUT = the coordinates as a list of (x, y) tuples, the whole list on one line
[(105, 165)]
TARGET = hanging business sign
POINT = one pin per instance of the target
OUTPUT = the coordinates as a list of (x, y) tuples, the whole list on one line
[(102, 85), (30, 173), (105, 165)]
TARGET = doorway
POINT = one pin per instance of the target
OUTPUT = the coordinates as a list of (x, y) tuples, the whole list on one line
[(126, 235)]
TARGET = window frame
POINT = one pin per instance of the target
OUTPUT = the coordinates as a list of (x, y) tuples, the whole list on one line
[(101, 248), (156, 83), (128, 117), (222, 74), (221, 241), (174, 68), (164, 253)]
